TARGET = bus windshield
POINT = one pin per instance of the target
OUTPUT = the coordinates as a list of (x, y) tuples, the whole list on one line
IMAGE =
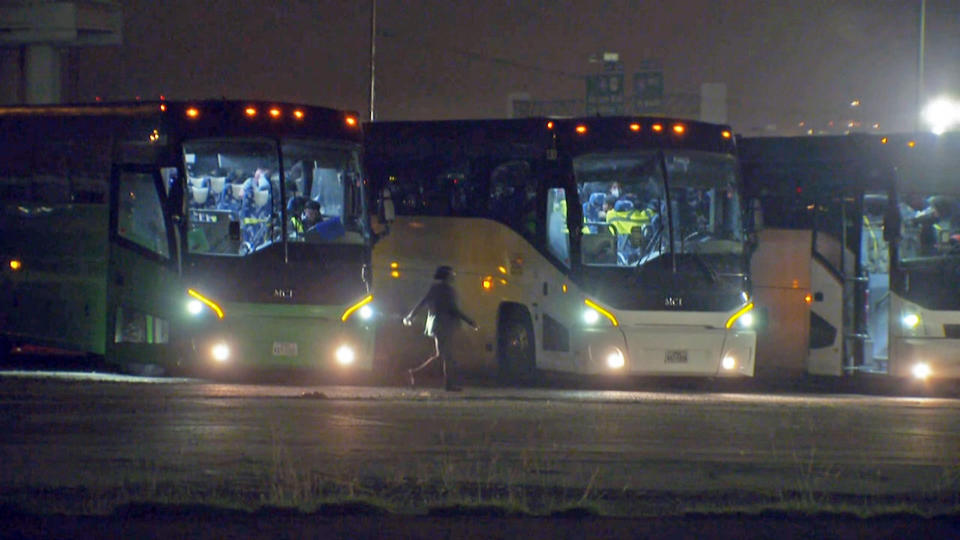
[(237, 195), (625, 214)]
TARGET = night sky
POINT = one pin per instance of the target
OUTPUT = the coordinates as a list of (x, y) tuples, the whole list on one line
[(784, 61)]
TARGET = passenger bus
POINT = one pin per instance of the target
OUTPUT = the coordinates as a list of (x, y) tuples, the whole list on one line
[(599, 246), (168, 233), (859, 260)]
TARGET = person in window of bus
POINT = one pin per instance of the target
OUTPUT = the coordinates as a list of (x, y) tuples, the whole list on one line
[(933, 220), (311, 215), (443, 318)]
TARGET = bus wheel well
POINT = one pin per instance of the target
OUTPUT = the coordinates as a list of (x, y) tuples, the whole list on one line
[(516, 346)]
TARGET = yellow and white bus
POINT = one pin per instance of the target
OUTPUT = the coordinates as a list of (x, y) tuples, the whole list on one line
[(601, 246)]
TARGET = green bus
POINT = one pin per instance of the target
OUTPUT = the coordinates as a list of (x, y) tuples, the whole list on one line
[(168, 235)]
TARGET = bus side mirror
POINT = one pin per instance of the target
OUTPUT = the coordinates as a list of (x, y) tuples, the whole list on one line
[(756, 215), (388, 212)]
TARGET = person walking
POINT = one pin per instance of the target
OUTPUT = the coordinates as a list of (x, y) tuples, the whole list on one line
[(443, 318)]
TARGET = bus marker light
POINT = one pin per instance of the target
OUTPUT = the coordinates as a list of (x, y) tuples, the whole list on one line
[(726, 134), (250, 111), (740, 312), (220, 352), (275, 112), (635, 127), (345, 355), (884, 140), (15, 264), (208, 302), (502, 270), (615, 359), (911, 144), (395, 274), (550, 124), (349, 311), (581, 129), (298, 114), (921, 370), (728, 363), (679, 129), (192, 112), (564, 288), (590, 303), (163, 107), (351, 121), (394, 265), (487, 283), (808, 298)]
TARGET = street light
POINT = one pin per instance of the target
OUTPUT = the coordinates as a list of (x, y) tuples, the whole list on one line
[(942, 114)]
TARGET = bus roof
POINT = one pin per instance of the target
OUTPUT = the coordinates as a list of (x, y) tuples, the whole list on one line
[(413, 140), (920, 162), (208, 117), (578, 135)]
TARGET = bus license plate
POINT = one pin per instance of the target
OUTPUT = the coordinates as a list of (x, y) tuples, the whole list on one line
[(284, 348), (675, 357)]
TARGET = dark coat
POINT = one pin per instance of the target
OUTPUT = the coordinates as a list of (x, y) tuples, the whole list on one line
[(443, 313)]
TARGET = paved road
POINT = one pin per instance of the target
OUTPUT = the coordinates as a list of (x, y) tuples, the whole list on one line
[(109, 433)]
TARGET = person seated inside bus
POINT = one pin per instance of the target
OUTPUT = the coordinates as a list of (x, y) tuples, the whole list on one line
[(935, 225), (629, 223), (593, 210), (295, 210), (317, 226)]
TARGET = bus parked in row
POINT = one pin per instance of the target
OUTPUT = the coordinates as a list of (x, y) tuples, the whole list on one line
[(600, 246), (170, 234), (858, 266)]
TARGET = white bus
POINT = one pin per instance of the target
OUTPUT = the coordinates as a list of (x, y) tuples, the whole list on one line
[(859, 263), (597, 246)]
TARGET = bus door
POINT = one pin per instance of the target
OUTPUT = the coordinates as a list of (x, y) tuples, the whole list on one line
[(832, 284), (875, 282), (557, 308), (143, 285)]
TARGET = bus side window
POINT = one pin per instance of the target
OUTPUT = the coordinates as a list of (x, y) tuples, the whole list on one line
[(513, 195), (558, 235)]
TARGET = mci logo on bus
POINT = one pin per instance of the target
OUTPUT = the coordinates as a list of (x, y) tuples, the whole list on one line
[(283, 293), (673, 301)]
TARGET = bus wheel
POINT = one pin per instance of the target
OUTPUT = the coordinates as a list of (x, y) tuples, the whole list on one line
[(515, 347)]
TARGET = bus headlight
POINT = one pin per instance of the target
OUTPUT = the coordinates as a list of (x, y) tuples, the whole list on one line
[(345, 355), (615, 359), (921, 370), (910, 321), (742, 317), (220, 352), (195, 306), (358, 308), (594, 312), (728, 363)]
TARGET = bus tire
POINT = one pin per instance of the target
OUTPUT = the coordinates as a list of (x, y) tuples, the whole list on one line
[(516, 361)]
